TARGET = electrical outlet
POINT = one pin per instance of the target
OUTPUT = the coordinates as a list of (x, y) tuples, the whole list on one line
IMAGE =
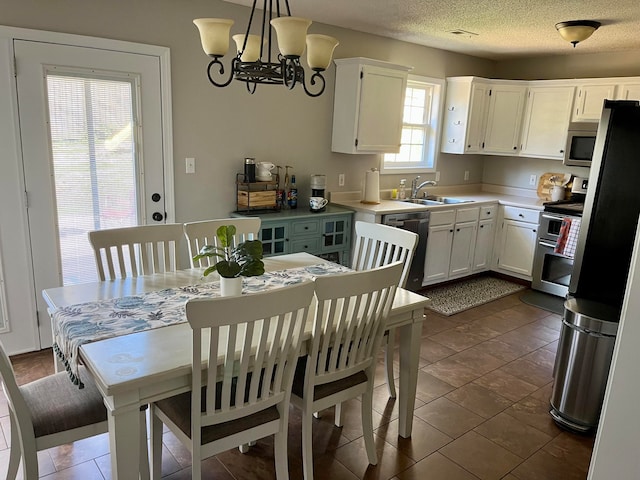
[(437, 176), (341, 180), (533, 180), (190, 165), (466, 174)]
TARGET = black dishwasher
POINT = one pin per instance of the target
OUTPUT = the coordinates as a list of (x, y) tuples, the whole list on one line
[(416, 222)]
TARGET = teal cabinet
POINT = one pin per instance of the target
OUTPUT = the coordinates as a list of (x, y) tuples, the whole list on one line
[(326, 234)]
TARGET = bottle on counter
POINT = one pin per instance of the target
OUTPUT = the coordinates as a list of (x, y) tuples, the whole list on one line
[(402, 194), (249, 170), (293, 193)]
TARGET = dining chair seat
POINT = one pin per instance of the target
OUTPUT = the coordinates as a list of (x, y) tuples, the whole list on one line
[(252, 343), (50, 412), (351, 311)]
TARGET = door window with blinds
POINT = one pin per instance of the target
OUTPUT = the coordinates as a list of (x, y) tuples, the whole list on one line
[(420, 128), (3, 300), (94, 159)]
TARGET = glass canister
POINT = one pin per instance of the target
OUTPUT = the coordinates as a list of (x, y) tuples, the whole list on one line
[(249, 170)]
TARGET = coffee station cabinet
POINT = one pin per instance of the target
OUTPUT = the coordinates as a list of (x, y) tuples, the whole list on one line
[(326, 234)]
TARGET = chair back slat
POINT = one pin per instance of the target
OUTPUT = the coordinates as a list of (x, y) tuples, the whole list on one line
[(377, 245), (203, 233), (134, 251), (257, 338), (350, 319)]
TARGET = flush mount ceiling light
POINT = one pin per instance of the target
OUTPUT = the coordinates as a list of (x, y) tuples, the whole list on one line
[(254, 64), (576, 31)]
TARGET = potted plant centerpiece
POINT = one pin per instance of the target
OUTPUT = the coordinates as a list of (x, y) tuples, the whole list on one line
[(243, 260)]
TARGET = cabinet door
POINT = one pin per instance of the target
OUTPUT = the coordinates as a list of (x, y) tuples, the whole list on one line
[(629, 91), (484, 245), (336, 237), (504, 119), (477, 117), (589, 101), (275, 238), (436, 265), (546, 121), (462, 249), (517, 246), (381, 108)]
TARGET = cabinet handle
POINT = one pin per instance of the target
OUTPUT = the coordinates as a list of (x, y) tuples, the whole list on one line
[(458, 122), (451, 231), (521, 215), (534, 230), (306, 228), (481, 226), (515, 148), (457, 229), (452, 140), (451, 109), (561, 151)]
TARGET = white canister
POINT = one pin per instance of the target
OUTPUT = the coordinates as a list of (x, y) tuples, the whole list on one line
[(557, 193)]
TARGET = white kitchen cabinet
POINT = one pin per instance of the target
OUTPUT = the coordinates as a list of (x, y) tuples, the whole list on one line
[(546, 121), (482, 116), (485, 239), (451, 244), (465, 115), (368, 106), (517, 241), (629, 91), (589, 99), (504, 119)]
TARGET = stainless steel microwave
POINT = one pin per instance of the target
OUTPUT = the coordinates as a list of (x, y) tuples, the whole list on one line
[(581, 139)]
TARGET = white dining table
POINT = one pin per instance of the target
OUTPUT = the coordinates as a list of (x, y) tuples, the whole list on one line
[(135, 369)]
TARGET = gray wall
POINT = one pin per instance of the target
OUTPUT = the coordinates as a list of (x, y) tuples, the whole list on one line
[(219, 127)]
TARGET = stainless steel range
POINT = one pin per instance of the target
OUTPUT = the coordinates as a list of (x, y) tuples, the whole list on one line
[(551, 270)]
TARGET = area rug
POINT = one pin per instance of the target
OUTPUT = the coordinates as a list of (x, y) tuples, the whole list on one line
[(460, 296), (551, 303)]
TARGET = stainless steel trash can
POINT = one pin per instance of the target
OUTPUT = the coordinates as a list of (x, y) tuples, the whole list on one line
[(582, 363)]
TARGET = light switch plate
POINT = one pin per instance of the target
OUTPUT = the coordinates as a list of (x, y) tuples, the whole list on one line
[(190, 165)]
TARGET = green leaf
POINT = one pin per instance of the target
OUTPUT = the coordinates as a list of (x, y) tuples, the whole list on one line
[(228, 269), (225, 235)]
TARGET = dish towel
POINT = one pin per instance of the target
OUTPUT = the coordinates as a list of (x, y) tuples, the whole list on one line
[(568, 237)]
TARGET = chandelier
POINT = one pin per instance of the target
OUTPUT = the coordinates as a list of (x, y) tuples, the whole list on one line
[(254, 64)]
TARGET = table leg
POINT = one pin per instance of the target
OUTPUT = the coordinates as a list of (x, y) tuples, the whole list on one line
[(409, 356), (124, 442)]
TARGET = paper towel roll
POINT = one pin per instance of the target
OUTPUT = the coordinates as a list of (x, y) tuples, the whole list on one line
[(372, 186)]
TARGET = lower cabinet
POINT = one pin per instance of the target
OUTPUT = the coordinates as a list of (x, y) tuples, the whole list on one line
[(485, 239), (517, 241), (326, 234), (451, 244)]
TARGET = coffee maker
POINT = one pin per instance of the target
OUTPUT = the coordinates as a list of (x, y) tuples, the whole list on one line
[(318, 185)]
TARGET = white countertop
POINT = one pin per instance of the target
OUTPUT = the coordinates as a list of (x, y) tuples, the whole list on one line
[(396, 206)]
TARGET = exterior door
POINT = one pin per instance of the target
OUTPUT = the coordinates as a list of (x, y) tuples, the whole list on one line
[(91, 130)]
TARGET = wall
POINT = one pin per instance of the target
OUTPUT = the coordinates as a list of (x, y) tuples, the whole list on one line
[(219, 127)]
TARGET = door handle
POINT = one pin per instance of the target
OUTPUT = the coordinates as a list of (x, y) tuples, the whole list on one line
[(156, 197), (157, 216)]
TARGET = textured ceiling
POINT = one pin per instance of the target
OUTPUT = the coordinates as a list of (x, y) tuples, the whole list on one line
[(504, 28)]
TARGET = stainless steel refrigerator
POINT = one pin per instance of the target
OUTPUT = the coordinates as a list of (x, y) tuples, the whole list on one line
[(601, 267)]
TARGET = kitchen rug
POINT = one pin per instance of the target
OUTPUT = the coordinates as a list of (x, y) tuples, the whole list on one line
[(551, 303), (460, 296)]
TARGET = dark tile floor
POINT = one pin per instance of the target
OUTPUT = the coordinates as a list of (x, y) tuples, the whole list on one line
[(481, 413)]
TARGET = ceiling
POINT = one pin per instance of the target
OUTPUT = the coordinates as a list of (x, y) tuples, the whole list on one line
[(505, 29)]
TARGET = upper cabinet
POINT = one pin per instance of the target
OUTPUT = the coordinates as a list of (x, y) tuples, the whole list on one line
[(546, 121), (591, 94), (368, 106), (482, 116)]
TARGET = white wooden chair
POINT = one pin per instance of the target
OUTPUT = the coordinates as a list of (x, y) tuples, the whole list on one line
[(49, 412), (350, 320), (134, 251), (203, 233), (242, 390), (378, 245)]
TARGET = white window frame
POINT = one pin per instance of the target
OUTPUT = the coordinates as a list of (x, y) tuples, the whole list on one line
[(432, 127)]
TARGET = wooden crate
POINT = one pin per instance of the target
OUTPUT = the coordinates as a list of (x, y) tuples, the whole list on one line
[(262, 199)]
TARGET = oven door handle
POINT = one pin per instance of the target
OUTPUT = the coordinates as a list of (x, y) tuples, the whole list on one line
[(554, 217), (545, 244)]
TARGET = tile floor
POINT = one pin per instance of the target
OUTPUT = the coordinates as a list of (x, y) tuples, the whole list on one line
[(481, 413)]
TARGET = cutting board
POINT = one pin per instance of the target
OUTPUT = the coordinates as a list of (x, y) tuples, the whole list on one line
[(545, 183)]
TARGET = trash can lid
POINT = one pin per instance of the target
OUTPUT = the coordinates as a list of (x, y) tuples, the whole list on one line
[(593, 316)]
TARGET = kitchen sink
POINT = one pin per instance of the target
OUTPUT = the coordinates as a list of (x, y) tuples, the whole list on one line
[(423, 201), (448, 200)]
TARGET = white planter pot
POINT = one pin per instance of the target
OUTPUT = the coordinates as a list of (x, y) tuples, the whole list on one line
[(230, 287)]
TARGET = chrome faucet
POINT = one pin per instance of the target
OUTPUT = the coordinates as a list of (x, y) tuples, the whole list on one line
[(415, 188)]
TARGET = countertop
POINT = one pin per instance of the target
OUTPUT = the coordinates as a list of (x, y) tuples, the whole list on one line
[(387, 206)]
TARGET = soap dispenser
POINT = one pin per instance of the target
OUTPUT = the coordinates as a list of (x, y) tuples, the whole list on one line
[(402, 194)]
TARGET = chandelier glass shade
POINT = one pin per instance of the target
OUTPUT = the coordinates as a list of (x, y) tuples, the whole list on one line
[(256, 62), (576, 31)]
